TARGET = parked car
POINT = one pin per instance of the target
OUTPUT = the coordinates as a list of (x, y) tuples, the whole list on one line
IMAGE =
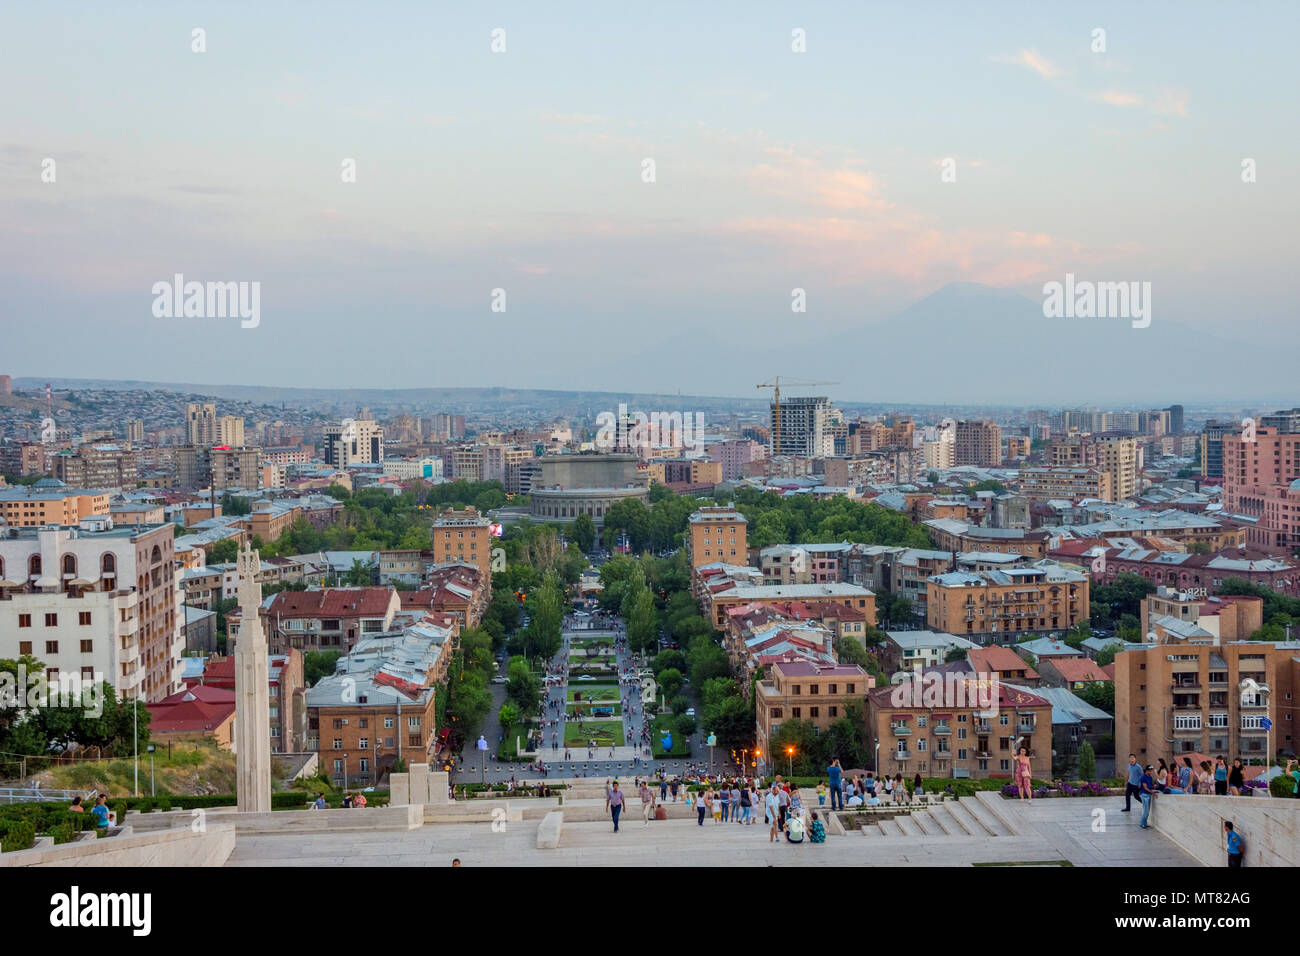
[(690, 711), (498, 679), (586, 677)]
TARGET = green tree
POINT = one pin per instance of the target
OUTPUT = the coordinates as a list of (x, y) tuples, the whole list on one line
[(643, 626), (670, 681), (583, 532), (666, 660), (1100, 694), (361, 574), (318, 664), (509, 715), (1087, 762), (706, 660), (223, 552), (523, 686), (954, 654), (1107, 654)]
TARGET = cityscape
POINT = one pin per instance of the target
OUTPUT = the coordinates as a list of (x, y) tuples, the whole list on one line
[(548, 472)]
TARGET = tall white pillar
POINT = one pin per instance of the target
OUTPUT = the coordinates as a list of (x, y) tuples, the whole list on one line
[(252, 694)]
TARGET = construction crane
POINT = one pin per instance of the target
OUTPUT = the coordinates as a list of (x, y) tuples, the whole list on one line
[(775, 385)]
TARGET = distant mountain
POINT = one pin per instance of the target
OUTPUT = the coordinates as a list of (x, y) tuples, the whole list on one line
[(970, 343)]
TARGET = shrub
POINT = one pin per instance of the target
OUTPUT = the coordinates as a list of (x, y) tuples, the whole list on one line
[(679, 704), (62, 833), (1282, 786), (19, 835)]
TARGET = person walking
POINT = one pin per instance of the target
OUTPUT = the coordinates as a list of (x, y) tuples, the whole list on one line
[(1220, 777), (615, 803), (1236, 845), (663, 788), (1131, 789), (724, 799), (1147, 792), (647, 804), (735, 801), (746, 805), (834, 775), (673, 787), (702, 801)]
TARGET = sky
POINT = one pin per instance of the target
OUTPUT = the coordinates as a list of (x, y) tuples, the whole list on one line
[(525, 170)]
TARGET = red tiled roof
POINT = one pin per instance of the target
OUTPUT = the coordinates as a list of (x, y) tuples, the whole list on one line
[(1079, 669), (332, 602), (195, 710), (996, 659)]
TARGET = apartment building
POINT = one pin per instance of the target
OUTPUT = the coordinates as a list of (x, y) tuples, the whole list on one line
[(801, 426), (1226, 618), (354, 442), (1018, 446), (734, 454), (978, 443), (235, 467), (1071, 484), (428, 468), (51, 502), (201, 423), (379, 706), (1213, 699), (324, 618), (1117, 455), (717, 534), (464, 536), (961, 734), (1261, 480), (802, 690), (1179, 569), (95, 599), (1212, 446), (951, 534), (230, 431), (993, 604), (918, 651), (96, 466), (22, 459), (804, 563), (287, 690), (718, 603)]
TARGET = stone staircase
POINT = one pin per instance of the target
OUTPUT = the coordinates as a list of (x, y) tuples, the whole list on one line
[(948, 820)]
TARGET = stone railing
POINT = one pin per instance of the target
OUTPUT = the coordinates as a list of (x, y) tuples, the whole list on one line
[(1269, 825)]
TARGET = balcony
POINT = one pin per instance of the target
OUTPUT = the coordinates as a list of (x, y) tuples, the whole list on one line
[(1026, 727), (901, 730), (901, 755), (942, 755), (942, 730), (1188, 728), (983, 728)]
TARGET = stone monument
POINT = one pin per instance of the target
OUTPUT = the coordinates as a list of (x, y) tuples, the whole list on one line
[(252, 696)]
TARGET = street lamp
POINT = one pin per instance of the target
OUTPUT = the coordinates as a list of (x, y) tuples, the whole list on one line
[(789, 755), (151, 776)]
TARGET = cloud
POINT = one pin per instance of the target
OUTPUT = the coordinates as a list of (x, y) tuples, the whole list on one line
[(807, 179), (1171, 102), (1032, 60), (573, 119), (1118, 98)]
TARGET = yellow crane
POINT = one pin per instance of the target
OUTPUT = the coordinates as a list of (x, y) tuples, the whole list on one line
[(775, 385)]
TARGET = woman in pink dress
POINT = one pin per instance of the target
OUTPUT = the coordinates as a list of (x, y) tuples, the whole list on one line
[(1024, 779)]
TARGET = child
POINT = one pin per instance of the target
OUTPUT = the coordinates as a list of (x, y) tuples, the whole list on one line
[(821, 793), (816, 832)]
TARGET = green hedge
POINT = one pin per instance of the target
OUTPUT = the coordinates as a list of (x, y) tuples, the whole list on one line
[(1282, 786), (18, 835)]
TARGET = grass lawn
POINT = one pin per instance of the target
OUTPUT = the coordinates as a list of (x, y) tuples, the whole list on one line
[(601, 733), (572, 709), (592, 690)]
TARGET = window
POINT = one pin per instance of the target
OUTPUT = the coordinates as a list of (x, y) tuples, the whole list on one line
[(25, 620), (338, 766), (365, 765), (338, 724), (88, 674), (51, 647), (24, 647), (833, 711), (814, 689), (796, 712), (338, 743), (52, 620), (389, 723), (1004, 719), (415, 740), (814, 712), (412, 723), (363, 723), (83, 619), (87, 647)]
